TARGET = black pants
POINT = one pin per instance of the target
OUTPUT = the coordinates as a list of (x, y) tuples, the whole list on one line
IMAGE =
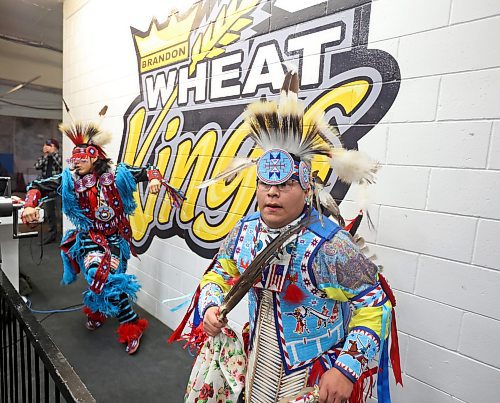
[(51, 217)]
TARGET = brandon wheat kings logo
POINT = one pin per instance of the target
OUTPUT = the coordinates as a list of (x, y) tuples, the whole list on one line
[(199, 70)]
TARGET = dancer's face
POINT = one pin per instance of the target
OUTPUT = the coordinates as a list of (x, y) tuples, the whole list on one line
[(84, 166), (280, 205)]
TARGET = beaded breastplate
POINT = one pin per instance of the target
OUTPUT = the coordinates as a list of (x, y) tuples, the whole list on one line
[(101, 203)]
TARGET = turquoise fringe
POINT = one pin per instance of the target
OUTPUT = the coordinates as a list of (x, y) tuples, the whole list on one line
[(126, 185), (117, 283), (115, 286), (70, 203)]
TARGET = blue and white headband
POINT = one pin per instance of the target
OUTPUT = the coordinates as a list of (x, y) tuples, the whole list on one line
[(276, 166)]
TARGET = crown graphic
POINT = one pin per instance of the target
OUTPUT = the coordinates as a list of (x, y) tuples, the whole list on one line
[(166, 43)]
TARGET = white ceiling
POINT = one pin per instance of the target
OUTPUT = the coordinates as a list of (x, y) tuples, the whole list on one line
[(35, 20)]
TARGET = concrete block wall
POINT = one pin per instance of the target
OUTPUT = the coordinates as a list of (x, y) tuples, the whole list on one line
[(438, 195), (435, 206)]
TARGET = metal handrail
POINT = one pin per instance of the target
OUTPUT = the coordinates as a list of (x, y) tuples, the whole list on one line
[(65, 379)]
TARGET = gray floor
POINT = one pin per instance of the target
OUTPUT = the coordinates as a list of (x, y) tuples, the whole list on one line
[(158, 372)]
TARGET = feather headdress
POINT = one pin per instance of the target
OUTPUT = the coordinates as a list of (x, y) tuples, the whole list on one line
[(290, 145), (88, 138), (281, 126)]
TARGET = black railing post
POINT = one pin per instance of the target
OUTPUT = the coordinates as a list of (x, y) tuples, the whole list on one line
[(3, 370), (15, 372), (30, 385), (23, 365), (46, 387), (11, 363), (58, 375), (37, 378)]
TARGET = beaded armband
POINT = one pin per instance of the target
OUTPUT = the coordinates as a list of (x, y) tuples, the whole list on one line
[(154, 174), (32, 198)]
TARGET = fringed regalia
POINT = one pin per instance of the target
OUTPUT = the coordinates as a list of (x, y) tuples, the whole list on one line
[(100, 243), (98, 203), (308, 313), (319, 303), (103, 236)]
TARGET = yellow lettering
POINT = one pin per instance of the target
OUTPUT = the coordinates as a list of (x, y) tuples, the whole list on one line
[(165, 57), (133, 136), (143, 216), (348, 96), (241, 189), (194, 160), (152, 135)]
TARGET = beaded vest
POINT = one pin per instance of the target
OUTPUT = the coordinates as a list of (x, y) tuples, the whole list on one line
[(304, 330)]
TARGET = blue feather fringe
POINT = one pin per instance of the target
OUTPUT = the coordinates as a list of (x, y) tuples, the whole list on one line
[(117, 283), (125, 255), (115, 286), (70, 203), (126, 186)]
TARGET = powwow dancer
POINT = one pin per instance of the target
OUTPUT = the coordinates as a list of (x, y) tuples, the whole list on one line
[(320, 266), (97, 199)]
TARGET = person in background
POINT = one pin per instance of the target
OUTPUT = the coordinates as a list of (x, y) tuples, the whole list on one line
[(50, 163), (3, 183)]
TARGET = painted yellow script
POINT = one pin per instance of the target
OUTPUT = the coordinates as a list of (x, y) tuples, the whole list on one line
[(191, 163)]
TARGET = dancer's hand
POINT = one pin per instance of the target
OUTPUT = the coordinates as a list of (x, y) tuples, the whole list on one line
[(334, 387), (30, 214), (211, 323), (154, 186)]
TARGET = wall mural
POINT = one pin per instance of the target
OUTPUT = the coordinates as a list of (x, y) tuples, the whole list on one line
[(199, 70)]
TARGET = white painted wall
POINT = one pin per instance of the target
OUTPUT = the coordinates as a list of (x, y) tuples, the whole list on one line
[(436, 202)]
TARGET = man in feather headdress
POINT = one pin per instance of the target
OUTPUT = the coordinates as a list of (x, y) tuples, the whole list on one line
[(320, 273), (97, 199)]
